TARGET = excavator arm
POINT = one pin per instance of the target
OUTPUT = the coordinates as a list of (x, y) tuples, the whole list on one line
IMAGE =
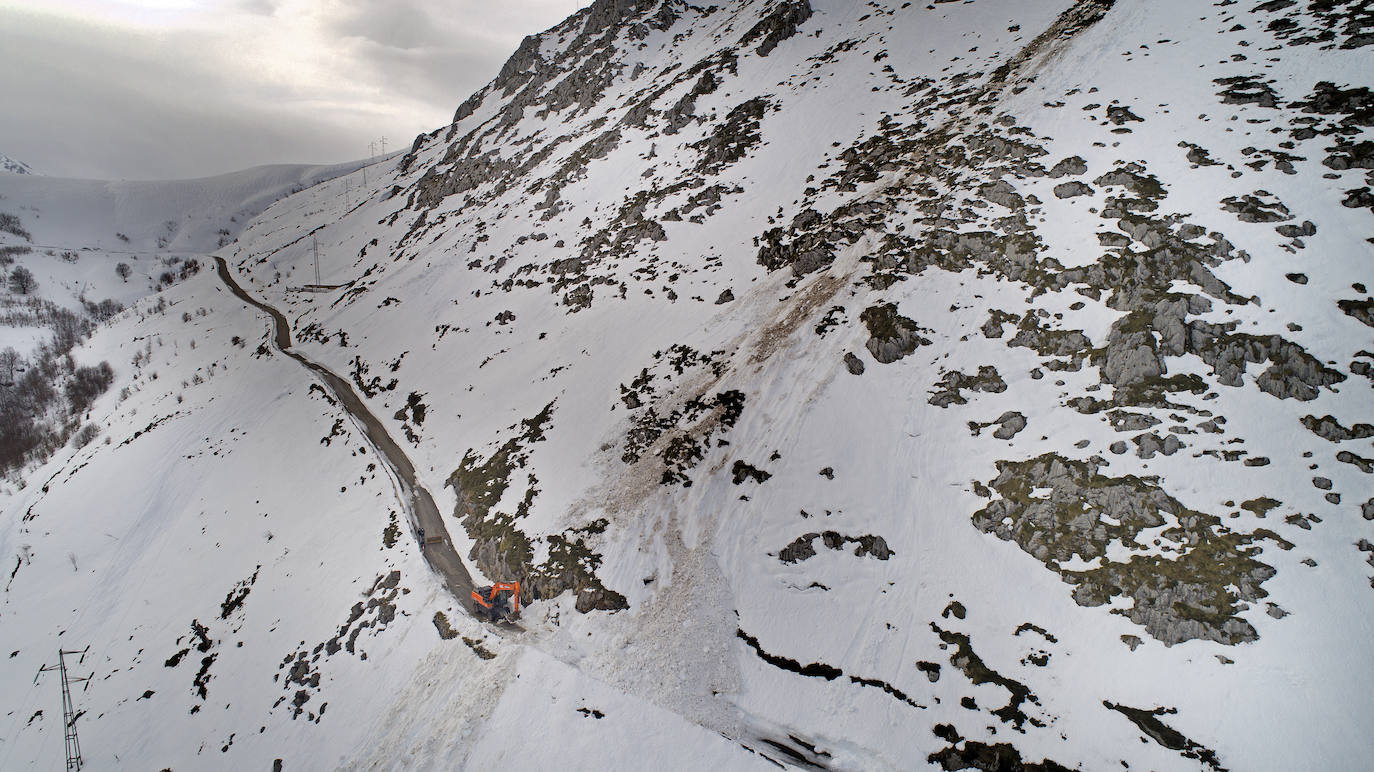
[(514, 588)]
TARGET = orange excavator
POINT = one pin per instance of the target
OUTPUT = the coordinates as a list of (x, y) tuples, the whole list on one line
[(495, 602)]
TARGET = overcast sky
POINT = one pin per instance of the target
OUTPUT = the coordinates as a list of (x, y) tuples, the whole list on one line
[(159, 89)]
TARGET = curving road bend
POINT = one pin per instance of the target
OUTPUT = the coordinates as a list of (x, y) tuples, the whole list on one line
[(442, 557)]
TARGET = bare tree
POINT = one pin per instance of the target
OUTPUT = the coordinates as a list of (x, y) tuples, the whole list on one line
[(9, 359), (86, 436), (22, 281), (87, 383), (123, 270)]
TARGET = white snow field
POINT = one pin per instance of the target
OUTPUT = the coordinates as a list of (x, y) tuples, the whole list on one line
[(873, 385)]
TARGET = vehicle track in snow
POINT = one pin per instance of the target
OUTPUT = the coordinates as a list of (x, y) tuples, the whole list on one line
[(442, 557)]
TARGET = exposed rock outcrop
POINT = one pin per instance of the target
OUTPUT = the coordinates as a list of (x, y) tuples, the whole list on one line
[(1058, 510), (948, 390), (802, 547), (891, 335), (780, 24)]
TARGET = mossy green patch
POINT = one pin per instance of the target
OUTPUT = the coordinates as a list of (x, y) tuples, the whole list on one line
[(441, 624), (392, 532), (1260, 506), (478, 649)]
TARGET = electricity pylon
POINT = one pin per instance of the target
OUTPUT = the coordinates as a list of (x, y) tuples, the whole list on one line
[(69, 714)]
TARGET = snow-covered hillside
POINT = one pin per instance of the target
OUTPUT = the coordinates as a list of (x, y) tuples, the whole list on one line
[(60, 277), (80, 230), (872, 385)]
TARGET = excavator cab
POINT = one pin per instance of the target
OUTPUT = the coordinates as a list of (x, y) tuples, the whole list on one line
[(499, 603)]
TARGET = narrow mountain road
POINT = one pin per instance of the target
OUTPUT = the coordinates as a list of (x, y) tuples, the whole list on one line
[(442, 557), (767, 741)]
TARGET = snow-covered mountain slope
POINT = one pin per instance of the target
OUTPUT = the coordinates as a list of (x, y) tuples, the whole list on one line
[(12, 166), (141, 223), (850, 385), (87, 241)]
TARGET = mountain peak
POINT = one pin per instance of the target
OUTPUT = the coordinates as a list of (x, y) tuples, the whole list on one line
[(603, 14), (8, 164)]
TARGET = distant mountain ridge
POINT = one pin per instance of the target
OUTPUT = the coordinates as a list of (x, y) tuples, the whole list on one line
[(8, 164)]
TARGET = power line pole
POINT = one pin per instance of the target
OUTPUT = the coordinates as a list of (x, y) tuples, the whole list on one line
[(371, 154), (69, 714), (383, 145), (316, 245)]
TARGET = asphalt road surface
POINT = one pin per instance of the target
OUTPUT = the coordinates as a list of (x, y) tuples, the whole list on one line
[(442, 557)]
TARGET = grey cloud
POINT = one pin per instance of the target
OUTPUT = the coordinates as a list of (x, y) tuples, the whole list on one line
[(435, 75), (137, 108), (86, 100), (258, 7), (390, 23)]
